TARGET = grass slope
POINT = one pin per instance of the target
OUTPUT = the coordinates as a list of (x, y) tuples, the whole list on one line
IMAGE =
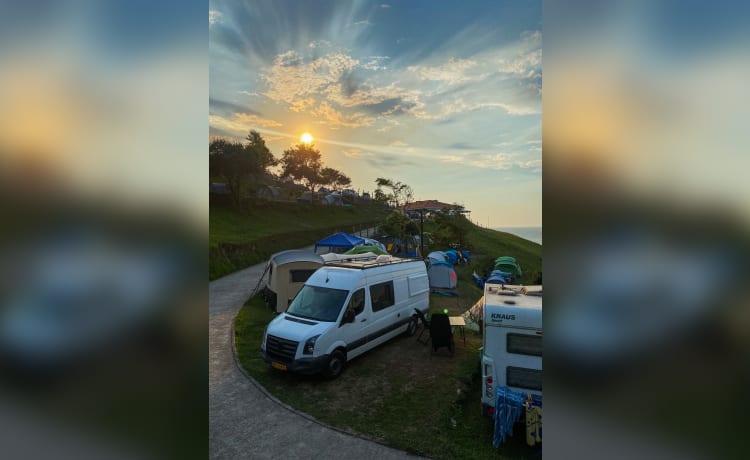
[(400, 393), (486, 245), (238, 239), (491, 244)]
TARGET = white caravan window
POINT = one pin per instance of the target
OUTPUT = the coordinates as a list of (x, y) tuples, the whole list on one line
[(521, 377), (522, 344)]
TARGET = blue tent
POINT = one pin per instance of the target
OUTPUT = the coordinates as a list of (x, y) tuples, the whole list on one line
[(341, 241), (452, 255)]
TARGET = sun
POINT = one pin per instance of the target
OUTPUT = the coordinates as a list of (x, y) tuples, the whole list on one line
[(306, 138)]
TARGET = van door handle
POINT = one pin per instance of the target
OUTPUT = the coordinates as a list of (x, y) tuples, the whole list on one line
[(363, 320)]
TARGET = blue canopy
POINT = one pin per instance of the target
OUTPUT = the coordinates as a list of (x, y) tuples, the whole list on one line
[(452, 255), (340, 240)]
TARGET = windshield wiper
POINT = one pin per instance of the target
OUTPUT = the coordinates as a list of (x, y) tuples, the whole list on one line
[(302, 316)]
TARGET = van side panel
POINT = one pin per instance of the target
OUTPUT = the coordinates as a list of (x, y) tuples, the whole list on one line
[(418, 284)]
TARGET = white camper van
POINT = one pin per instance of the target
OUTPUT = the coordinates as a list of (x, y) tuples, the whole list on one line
[(512, 341), (344, 309)]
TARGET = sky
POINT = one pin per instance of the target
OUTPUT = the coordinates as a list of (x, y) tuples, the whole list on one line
[(443, 96)]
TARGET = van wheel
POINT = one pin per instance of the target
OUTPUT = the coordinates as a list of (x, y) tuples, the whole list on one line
[(335, 365), (411, 328)]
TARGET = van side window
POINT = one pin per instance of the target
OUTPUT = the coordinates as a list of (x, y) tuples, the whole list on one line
[(523, 344), (300, 276), (357, 302), (381, 295)]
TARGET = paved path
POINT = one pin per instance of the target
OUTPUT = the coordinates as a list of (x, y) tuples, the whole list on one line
[(244, 422)]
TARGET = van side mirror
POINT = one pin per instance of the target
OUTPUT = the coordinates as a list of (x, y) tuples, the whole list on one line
[(348, 317)]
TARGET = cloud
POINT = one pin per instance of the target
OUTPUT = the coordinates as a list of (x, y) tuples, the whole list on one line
[(497, 161), (385, 5), (319, 44), (248, 93), (356, 153), (462, 146), (362, 23), (227, 108), (459, 106), (398, 143), (214, 17), (240, 123), (336, 118), (300, 105), (527, 65), (375, 63), (385, 161), (290, 78), (452, 72)]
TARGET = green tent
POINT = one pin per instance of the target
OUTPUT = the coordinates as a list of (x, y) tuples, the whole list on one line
[(363, 249), (508, 265), (507, 259)]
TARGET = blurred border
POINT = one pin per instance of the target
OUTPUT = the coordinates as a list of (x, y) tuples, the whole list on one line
[(646, 229), (102, 189)]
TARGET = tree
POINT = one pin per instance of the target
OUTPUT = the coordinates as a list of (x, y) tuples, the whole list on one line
[(452, 227), (399, 226), (399, 191), (257, 145), (302, 163), (334, 178), (240, 165)]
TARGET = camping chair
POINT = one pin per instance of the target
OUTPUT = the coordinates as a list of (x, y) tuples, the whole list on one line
[(425, 327), (441, 332)]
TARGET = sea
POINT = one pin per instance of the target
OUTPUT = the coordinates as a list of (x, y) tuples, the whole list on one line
[(528, 233)]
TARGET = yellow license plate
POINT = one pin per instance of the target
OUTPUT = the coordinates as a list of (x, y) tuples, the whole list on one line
[(279, 366)]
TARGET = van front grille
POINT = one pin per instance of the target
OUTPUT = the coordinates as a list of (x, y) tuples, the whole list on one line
[(279, 349)]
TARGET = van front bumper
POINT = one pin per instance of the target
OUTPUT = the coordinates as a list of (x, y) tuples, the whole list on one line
[(304, 365)]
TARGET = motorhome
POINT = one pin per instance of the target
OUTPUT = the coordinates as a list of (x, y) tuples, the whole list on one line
[(344, 309), (512, 342)]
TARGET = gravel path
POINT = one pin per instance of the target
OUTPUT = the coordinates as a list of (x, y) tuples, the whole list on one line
[(243, 421)]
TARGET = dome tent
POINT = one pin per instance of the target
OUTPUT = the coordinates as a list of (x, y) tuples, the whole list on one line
[(366, 249), (437, 256), (452, 256), (442, 275), (508, 265)]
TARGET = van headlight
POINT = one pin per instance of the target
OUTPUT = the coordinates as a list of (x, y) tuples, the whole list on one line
[(310, 345)]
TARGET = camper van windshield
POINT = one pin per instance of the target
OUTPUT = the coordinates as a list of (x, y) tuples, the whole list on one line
[(319, 303)]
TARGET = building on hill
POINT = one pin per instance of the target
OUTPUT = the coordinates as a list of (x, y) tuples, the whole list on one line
[(413, 210)]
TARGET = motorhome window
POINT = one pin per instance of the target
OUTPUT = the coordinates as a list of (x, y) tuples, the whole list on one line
[(520, 377), (357, 302), (300, 276), (381, 295), (522, 344), (319, 303)]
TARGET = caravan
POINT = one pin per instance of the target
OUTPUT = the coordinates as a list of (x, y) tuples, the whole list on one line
[(512, 342), (346, 308)]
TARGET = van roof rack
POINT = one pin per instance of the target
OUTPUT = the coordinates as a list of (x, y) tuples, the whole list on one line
[(369, 262)]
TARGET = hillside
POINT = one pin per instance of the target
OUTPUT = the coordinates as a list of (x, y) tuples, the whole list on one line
[(238, 239), (487, 244)]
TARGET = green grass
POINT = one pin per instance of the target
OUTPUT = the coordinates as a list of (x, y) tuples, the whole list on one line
[(486, 245), (399, 393), (240, 238)]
